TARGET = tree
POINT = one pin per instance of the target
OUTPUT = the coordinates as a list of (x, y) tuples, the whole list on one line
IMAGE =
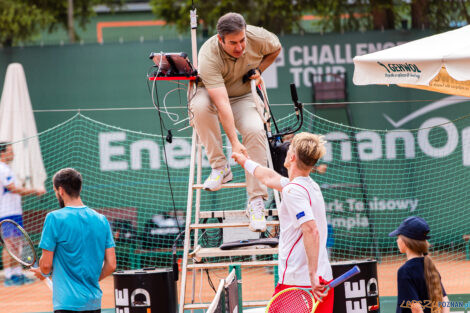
[(348, 15), (419, 14), (20, 21), (279, 16), (70, 21), (66, 12), (284, 16), (445, 14), (383, 16), (341, 15)]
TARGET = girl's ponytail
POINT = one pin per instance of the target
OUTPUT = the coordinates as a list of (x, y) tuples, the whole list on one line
[(431, 275), (433, 280)]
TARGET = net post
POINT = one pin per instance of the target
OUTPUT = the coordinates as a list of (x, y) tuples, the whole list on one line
[(238, 274)]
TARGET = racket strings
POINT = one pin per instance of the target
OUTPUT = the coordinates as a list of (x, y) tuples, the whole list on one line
[(295, 300), (16, 242)]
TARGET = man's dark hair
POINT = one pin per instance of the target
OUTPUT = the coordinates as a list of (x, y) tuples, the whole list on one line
[(230, 23), (3, 147), (69, 179)]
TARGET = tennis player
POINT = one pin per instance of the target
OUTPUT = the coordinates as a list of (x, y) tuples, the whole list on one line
[(419, 284), (77, 248), (11, 192), (303, 258)]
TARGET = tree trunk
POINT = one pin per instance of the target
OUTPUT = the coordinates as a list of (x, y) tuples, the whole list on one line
[(419, 16), (382, 14), (7, 42), (70, 23)]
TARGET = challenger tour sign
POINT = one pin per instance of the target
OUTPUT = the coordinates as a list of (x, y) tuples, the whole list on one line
[(303, 61)]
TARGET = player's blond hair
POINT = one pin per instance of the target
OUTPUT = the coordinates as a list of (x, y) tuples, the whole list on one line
[(308, 148)]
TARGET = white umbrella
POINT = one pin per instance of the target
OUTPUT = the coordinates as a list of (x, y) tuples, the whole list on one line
[(17, 124), (438, 63)]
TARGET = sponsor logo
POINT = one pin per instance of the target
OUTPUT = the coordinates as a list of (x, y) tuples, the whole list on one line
[(118, 154), (400, 67), (377, 145), (434, 305)]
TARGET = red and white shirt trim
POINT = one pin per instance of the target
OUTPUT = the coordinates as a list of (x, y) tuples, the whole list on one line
[(302, 201)]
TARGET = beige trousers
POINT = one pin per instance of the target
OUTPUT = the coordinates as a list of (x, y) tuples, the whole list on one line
[(249, 125)]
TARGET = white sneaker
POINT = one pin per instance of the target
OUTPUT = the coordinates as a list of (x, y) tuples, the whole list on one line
[(255, 213), (217, 178)]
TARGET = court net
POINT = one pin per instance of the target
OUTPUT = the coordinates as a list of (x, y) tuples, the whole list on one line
[(374, 179)]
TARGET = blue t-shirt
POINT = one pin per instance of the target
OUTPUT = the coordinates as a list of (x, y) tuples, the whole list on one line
[(412, 285), (78, 236)]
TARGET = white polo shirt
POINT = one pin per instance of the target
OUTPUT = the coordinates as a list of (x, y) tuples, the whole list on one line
[(10, 203), (302, 201)]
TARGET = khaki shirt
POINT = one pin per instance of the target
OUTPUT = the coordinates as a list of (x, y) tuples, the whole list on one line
[(219, 69)]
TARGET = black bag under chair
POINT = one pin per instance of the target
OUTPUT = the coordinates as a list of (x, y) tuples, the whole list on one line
[(278, 154)]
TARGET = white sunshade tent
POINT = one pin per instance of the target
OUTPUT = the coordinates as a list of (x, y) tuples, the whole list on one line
[(17, 125), (438, 63)]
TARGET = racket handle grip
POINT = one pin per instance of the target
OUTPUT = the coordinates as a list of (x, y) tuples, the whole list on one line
[(48, 282)]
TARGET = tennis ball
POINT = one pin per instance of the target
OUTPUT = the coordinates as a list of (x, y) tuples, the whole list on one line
[(29, 258)]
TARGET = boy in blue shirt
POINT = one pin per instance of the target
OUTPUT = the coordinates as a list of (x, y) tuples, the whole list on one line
[(77, 248)]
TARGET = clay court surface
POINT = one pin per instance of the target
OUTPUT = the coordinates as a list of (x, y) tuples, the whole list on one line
[(255, 283)]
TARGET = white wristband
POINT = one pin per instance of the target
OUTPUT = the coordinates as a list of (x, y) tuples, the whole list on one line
[(250, 166)]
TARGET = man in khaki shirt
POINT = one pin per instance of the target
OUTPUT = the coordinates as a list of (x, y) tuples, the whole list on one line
[(222, 96)]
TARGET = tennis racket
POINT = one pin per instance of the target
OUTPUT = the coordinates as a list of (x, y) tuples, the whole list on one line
[(19, 245), (300, 300)]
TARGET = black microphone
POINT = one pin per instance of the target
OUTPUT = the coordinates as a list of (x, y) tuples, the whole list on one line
[(293, 93)]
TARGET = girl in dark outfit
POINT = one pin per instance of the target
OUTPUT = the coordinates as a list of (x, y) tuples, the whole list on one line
[(419, 284)]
